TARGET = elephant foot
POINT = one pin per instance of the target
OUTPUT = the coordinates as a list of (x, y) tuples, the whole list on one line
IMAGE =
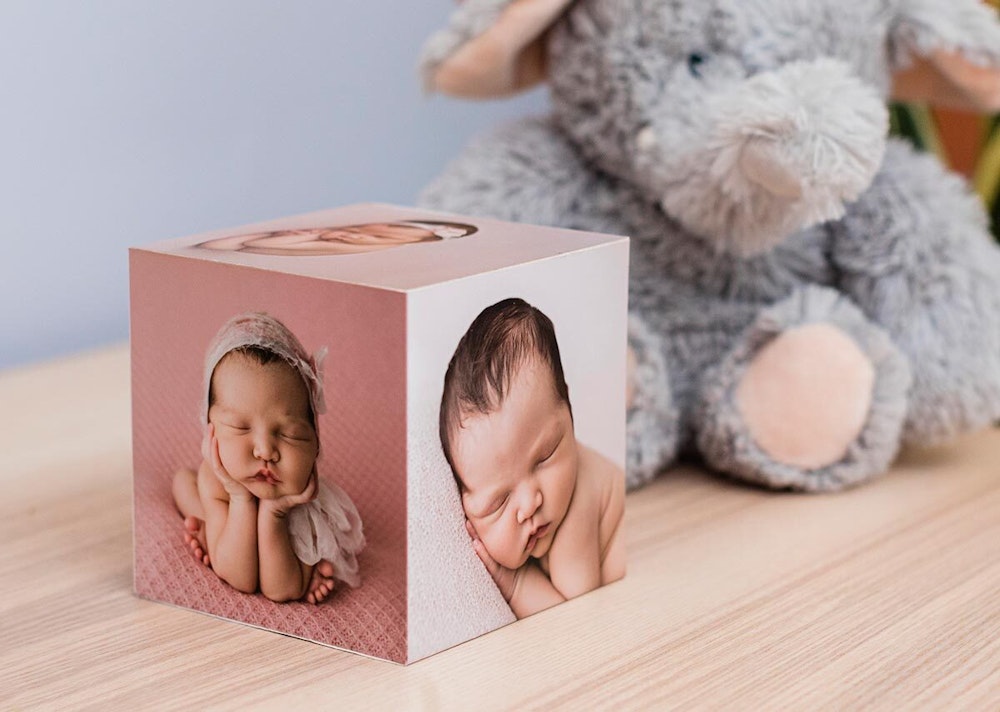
[(806, 394), (812, 397)]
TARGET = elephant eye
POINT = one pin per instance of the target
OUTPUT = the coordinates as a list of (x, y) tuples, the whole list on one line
[(694, 64)]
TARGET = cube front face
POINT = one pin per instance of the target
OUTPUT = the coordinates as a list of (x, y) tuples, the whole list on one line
[(390, 322), (178, 304)]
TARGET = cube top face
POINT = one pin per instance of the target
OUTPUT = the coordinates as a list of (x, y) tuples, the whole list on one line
[(383, 246), (388, 322)]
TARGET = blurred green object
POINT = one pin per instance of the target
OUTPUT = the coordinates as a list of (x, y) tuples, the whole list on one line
[(927, 129), (988, 174), (967, 143)]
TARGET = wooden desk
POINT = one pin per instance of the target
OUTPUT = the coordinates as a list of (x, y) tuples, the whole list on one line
[(735, 598)]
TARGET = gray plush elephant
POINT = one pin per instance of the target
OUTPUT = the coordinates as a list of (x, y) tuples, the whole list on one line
[(805, 293)]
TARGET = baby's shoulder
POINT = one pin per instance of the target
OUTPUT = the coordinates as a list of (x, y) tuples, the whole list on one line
[(601, 478), (601, 484)]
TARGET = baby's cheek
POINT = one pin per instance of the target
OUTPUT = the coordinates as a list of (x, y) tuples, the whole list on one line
[(299, 475), (297, 484), (229, 455), (503, 545)]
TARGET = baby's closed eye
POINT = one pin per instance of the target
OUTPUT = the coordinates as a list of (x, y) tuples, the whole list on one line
[(548, 453), (498, 503), (495, 506), (237, 426)]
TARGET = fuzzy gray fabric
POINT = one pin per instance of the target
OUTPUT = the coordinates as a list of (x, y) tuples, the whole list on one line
[(742, 145)]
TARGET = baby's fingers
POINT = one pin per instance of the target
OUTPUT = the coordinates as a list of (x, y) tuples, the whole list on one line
[(290, 501), (310, 491), (304, 496), (228, 482), (492, 566), (217, 466)]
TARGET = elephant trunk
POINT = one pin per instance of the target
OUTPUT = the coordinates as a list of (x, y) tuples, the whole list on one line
[(784, 150)]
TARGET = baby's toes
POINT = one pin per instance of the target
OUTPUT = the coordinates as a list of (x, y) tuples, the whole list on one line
[(197, 551), (322, 592), (192, 524), (325, 569)]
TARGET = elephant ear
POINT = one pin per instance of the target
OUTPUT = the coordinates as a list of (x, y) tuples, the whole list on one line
[(947, 52), (491, 48)]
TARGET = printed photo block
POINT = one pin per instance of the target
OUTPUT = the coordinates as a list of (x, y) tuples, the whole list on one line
[(383, 429)]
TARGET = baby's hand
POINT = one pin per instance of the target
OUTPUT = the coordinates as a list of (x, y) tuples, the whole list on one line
[(505, 579), (280, 507), (234, 489)]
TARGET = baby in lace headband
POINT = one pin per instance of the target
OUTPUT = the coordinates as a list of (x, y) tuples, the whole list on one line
[(256, 511)]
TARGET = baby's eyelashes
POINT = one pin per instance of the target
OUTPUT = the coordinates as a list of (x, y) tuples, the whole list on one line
[(241, 427), (551, 451), (494, 507), (294, 433)]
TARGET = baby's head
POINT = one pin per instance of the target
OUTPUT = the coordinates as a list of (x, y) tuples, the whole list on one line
[(342, 239), (506, 428), (263, 395)]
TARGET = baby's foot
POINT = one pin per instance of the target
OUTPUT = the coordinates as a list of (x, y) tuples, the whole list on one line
[(321, 584), (194, 537)]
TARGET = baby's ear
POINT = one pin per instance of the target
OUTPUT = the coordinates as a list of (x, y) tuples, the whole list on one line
[(490, 48), (947, 52)]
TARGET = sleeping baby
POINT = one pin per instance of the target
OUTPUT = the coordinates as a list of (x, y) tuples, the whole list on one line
[(544, 511), (256, 511)]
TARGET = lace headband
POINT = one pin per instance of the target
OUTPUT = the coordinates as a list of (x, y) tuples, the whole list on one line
[(266, 332)]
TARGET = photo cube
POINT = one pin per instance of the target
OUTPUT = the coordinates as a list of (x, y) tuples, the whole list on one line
[(379, 428)]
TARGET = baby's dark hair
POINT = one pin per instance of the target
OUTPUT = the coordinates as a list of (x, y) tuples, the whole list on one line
[(503, 338)]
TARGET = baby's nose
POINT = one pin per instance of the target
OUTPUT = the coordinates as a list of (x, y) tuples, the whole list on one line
[(530, 505), (264, 449)]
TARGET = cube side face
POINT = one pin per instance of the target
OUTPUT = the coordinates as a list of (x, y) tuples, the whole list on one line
[(451, 597), (177, 306)]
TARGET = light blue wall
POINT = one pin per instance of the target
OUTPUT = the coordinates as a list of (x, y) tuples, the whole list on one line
[(123, 122)]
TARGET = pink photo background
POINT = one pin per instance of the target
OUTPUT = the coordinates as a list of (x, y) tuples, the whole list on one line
[(178, 304)]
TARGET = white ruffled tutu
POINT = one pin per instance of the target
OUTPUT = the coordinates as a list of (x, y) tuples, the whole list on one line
[(328, 527)]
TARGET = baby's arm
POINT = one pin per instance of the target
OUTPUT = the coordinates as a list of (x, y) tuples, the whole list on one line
[(230, 523), (574, 560), (589, 547), (282, 576), (533, 591)]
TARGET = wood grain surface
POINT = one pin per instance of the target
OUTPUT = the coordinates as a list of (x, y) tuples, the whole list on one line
[(887, 596)]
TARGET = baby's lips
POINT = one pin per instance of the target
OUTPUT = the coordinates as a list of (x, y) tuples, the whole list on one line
[(267, 476), (536, 536)]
